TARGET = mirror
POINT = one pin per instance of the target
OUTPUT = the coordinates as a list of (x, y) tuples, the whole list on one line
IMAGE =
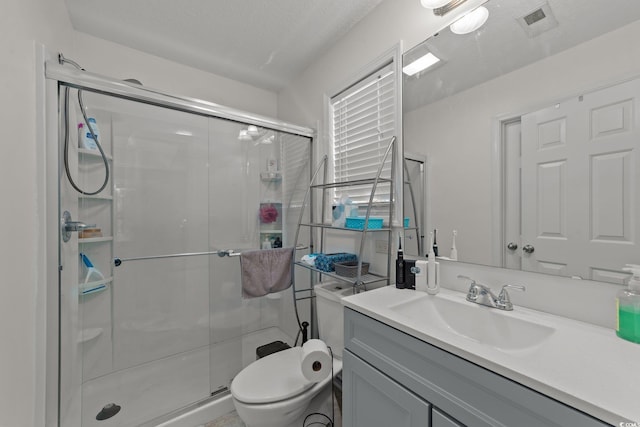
[(530, 126), (414, 203)]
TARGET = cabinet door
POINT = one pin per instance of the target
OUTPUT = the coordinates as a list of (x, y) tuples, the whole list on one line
[(440, 419), (370, 398)]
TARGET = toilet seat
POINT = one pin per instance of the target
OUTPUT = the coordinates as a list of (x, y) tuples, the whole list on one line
[(271, 379)]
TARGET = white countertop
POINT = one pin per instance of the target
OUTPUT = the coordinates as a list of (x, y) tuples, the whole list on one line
[(582, 365)]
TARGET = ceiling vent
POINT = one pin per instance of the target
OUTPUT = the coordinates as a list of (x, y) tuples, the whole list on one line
[(534, 17), (538, 21)]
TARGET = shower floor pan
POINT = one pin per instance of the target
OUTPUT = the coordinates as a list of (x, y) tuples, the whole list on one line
[(149, 391)]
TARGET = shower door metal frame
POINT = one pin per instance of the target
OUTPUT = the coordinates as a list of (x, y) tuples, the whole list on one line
[(51, 78), (86, 80)]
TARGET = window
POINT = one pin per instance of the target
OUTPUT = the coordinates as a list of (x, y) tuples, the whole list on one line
[(363, 122)]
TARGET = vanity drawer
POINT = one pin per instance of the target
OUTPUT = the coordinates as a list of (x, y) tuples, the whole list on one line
[(471, 394)]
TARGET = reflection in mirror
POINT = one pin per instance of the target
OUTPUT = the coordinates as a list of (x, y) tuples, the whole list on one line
[(531, 127), (414, 193)]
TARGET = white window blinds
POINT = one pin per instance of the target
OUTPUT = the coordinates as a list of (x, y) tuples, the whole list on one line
[(363, 121)]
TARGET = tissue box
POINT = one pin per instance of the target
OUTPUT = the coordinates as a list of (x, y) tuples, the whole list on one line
[(325, 262)]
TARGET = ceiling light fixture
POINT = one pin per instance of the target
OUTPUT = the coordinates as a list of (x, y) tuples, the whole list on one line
[(433, 4), (471, 21), (244, 135), (441, 7), (422, 63), (253, 130)]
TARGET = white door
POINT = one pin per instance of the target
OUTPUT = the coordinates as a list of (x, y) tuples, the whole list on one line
[(512, 143), (579, 185)]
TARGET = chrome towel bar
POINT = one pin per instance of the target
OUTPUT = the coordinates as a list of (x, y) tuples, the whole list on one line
[(221, 253)]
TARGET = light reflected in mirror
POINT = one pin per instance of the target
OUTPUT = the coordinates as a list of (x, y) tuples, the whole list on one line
[(530, 126)]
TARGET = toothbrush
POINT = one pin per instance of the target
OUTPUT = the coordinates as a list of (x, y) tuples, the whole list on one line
[(454, 251)]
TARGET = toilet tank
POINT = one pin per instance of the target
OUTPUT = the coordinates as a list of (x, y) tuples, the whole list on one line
[(330, 314)]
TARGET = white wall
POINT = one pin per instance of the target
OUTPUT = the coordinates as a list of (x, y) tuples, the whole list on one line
[(113, 60), (302, 101), (22, 24), (456, 133)]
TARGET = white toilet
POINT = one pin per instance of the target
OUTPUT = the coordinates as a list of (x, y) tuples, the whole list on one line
[(272, 392)]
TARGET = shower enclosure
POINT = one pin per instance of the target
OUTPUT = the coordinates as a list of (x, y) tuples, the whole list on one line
[(159, 324)]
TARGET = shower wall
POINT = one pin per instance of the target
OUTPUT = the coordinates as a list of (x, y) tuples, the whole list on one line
[(169, 331)]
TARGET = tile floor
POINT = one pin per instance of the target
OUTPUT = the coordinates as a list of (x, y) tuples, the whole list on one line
[(229, 420), (233, 420)]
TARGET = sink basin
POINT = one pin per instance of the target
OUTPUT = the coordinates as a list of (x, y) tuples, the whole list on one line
[(502, 330)]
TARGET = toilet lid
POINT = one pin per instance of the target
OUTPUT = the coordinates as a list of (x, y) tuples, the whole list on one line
[(273, 378)]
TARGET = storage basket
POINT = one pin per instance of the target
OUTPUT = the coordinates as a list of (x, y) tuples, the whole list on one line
[(357, 223), (350, 268)]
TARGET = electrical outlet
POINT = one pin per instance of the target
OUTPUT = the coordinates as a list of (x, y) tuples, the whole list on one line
[(382, 246)]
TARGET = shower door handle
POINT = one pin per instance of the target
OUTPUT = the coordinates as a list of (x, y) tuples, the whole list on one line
[(67, 226)]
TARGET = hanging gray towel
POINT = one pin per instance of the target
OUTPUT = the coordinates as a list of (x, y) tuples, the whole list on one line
[(265, 271)]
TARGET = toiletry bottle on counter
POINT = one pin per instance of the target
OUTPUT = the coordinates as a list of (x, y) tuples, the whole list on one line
[(400, 266), (628, 305)]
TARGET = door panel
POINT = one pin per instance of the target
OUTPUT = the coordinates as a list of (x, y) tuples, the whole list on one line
[(580, 184), (377, 400)]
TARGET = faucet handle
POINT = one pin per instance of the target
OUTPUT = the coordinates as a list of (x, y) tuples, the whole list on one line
[(474, 288), (503, 297)]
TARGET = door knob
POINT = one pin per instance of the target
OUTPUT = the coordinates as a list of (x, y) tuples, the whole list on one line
[(528, 249), (512, 246)]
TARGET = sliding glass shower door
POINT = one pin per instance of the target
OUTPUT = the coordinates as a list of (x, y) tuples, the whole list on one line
[(152, 319)]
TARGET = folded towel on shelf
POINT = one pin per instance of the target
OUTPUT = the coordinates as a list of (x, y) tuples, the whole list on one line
[(265, 271), (325, 262)]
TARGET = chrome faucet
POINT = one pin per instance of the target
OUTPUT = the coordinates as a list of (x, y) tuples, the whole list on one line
[(482, 294)]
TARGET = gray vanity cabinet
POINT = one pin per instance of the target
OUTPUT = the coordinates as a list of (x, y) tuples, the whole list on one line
[(377, 400), (440, 419), (393, 379)]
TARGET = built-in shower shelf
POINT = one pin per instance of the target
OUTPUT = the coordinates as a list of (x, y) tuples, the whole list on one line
[(95, 240), (95, 197), (90, 334), (94, 287), (92, 153)]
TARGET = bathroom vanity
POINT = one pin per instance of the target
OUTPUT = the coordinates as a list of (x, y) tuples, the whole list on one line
[(416, 360)]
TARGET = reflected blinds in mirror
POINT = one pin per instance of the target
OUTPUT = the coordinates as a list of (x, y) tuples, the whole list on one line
[(363, 121)]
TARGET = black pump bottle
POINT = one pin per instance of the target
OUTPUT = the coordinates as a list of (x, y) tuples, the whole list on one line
[(400, 266)]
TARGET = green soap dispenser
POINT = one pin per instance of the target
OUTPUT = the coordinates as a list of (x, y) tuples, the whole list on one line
[(628, 304)]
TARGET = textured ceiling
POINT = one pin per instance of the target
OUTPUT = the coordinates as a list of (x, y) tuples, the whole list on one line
[(265, 43)]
